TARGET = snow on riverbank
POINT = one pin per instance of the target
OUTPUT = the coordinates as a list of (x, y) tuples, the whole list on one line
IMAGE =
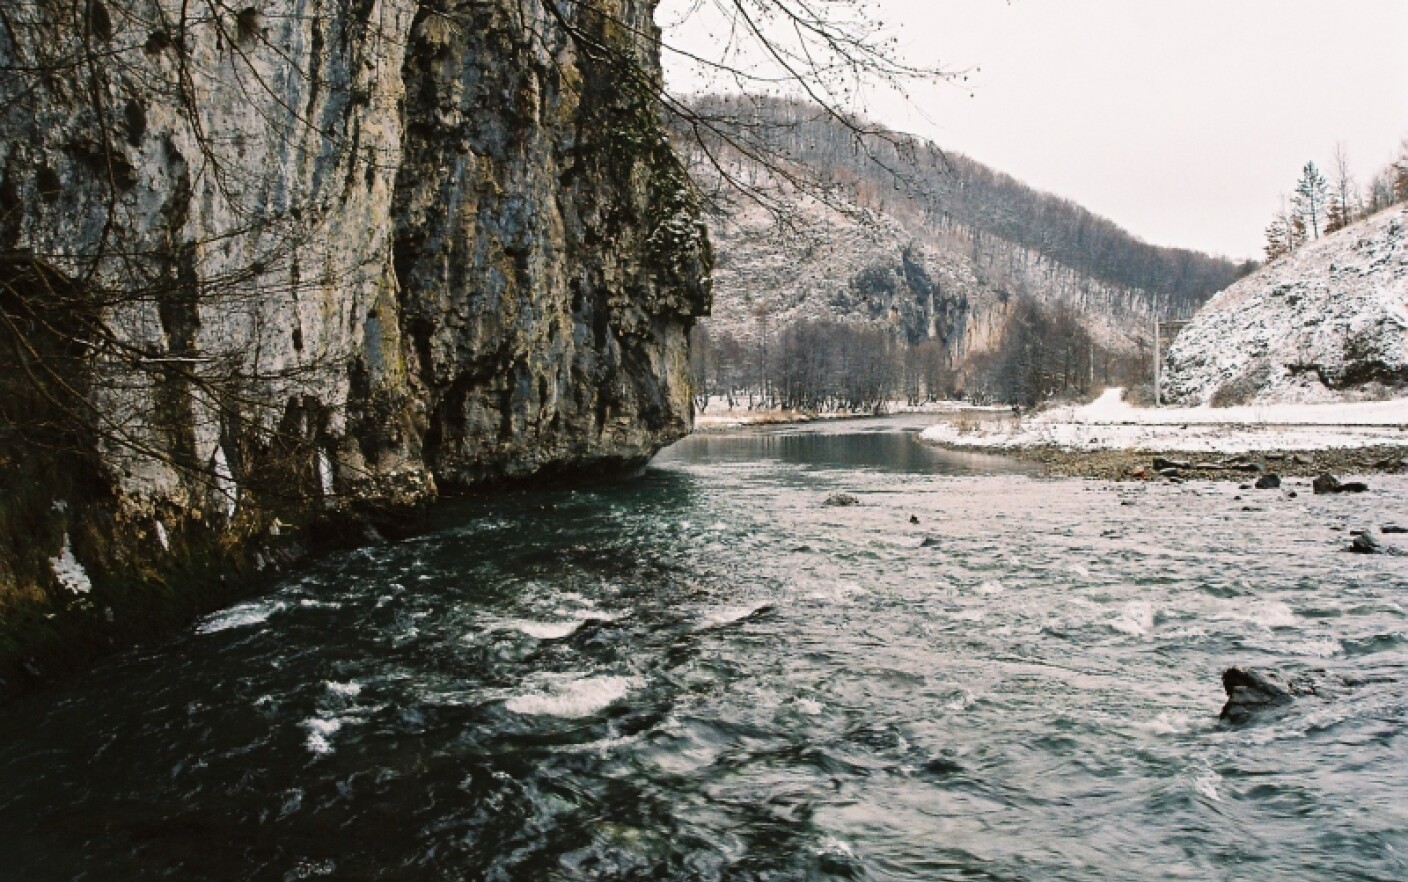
[(1108, 423), (719, 416)]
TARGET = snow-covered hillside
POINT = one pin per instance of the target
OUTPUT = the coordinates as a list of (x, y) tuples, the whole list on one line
[(891, 231), (927, 281), (1328, 322)]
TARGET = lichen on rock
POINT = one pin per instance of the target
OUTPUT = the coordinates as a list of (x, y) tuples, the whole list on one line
[(338, 258)]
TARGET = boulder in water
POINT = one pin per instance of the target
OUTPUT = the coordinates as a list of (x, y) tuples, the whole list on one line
[(1269, 481), (1249, 692), (930, 542), (840, 500), (1365, 543), (1393, 528), (1330, 484)]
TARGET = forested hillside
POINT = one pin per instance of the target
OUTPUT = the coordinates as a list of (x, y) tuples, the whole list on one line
[(822, 219)]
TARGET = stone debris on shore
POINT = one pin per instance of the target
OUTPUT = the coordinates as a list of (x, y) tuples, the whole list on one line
[(1142, 465)]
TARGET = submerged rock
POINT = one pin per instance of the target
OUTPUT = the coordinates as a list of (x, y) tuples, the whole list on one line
[(841, 500), (1365, 543), (930, 542), (1393, 528), (1270, 481), (1250, 691)]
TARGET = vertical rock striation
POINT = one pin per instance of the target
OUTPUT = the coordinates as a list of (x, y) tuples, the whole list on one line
[(305, 257)]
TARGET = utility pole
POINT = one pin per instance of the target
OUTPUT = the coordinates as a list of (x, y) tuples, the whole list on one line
[(1158, 401)]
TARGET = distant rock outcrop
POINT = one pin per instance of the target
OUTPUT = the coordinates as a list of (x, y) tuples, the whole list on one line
[(1328, 322), (931, 245)]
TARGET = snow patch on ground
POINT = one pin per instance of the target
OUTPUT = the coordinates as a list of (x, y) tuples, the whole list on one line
[(69, 571), (720, 416), (1108, 423)]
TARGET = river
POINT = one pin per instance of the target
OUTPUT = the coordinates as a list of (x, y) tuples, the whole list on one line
[(705, 673)]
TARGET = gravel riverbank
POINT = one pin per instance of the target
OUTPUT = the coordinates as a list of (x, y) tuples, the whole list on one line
[(1138, 465)]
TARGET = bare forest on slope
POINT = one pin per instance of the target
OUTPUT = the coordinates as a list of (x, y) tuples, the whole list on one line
[(841, 244)]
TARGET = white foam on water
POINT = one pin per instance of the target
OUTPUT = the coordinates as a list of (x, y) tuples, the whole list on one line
[(1269, 614), (833, 846), (1205, 783), (727, 615), (837, 592), (1167, 723), (350, 689), (541, 630), (962, 701), (808, 706), (320, 732), (1319, 648), (1137, 619), (572, 695), (240, 616), (603, 745), (991, 586)]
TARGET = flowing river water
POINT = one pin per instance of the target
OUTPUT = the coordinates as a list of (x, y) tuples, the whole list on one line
[(706, 673)]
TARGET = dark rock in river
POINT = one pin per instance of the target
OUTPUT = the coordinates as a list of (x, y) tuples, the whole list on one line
[(839, 500), (930, 542), (1365, 543), (914, 519), (1270, 481), (1331, 484), (1250, 691), (1393, 528)]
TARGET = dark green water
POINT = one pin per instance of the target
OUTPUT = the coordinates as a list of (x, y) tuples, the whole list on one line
[(704, 673)]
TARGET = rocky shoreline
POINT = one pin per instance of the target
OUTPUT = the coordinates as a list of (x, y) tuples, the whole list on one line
[(1138, 465)]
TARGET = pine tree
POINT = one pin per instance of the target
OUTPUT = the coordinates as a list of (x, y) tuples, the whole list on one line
[(1277, 240), (1312, 195), (1337, 215)]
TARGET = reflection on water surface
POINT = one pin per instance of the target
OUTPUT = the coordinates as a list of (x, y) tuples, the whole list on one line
[(705, 673)]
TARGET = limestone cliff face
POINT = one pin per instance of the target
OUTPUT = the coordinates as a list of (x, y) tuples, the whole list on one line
[(548, 254), (316, 254)]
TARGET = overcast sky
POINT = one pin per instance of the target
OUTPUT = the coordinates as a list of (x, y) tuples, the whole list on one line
[(1182, 120)]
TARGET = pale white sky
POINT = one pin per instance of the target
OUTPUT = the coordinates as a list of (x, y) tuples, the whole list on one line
[(1182, 120)]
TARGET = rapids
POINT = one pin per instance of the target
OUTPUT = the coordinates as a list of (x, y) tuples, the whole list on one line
[(704, 673)]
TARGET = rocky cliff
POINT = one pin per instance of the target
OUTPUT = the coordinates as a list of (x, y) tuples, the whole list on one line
[(1329, 322), (859, 224), (268, 266)]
